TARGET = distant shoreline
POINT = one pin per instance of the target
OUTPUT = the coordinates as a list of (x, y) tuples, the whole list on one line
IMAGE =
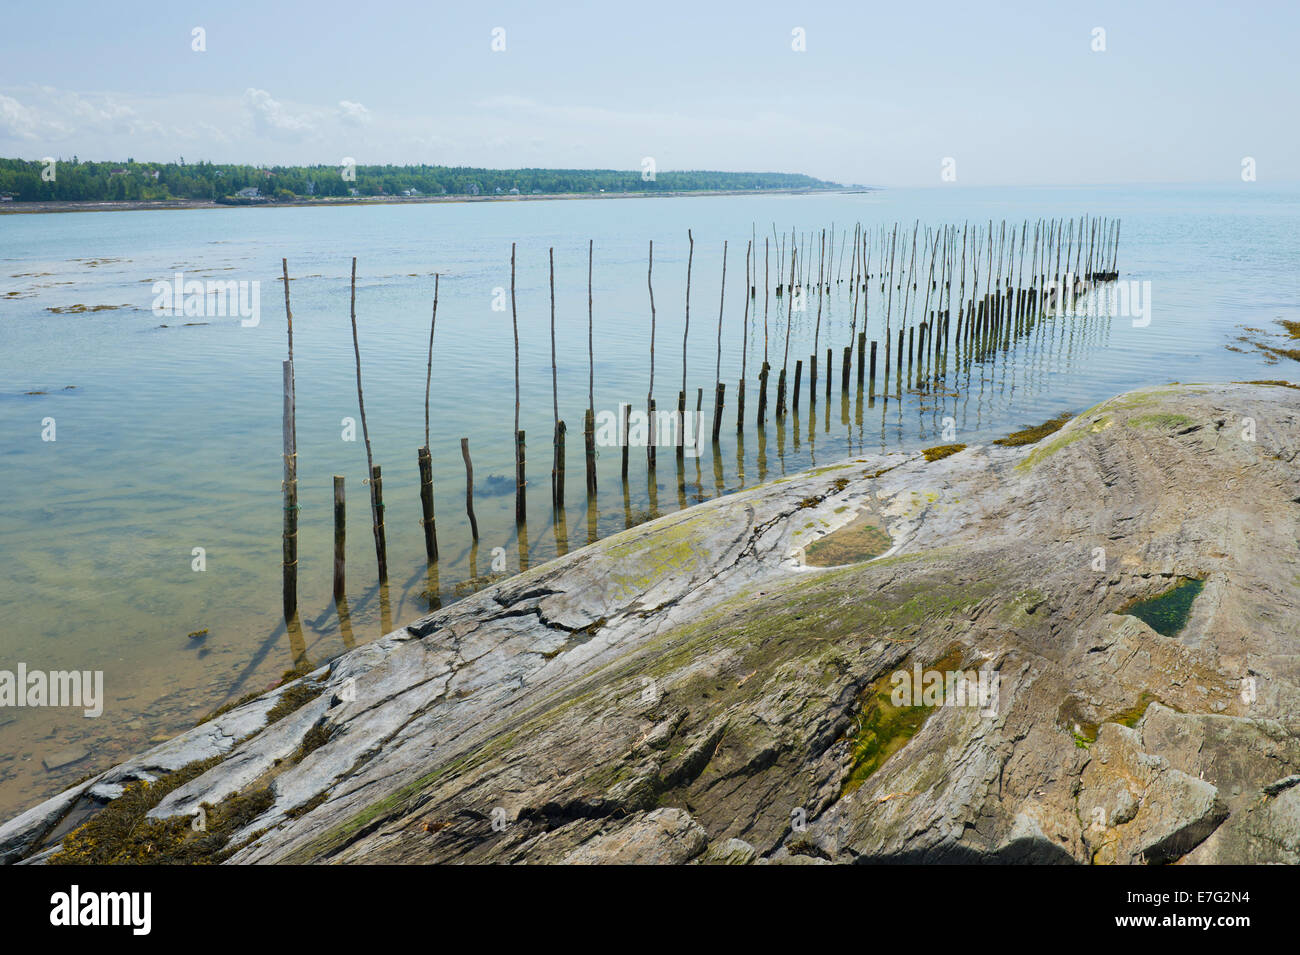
[(37, 207)]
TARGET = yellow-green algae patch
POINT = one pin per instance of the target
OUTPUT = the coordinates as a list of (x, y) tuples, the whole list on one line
[(1276, 382), (883, 728), (1085, 731), (1162, 422), (942, 451), (861, 539), (1080, 430), (122, 834), (1033, 435)]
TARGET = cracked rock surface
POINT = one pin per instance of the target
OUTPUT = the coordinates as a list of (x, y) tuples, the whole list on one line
[(691, 691)]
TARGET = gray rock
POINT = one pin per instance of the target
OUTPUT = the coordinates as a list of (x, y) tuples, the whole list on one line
[(690, 691), (64, 757)]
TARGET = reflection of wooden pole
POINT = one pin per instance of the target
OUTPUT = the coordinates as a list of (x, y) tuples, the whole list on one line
[(376, 490), (469, 487), (340, 538)]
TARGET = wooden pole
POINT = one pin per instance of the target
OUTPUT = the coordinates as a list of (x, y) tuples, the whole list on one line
[(469, 487), (340, 538), (290, 498), (718, 389), (686, 331), (589, 421), (817, 332), (424, 457), (521, 499), (381, 543), (557, 467), (290, 448), (789, 315), (626, 413), (652, 429), (376, 490), (744, 346), (425, 461)]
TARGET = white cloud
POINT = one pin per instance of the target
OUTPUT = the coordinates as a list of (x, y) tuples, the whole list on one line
[(354, 113), (270, 116), (17, 120)]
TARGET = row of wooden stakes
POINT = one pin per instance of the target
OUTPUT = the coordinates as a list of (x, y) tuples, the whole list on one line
[(997, 311)]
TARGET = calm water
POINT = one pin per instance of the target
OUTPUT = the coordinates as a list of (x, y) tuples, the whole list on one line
[(169, 438)]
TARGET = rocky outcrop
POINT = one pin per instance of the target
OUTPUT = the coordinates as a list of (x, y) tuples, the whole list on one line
[(693, 690)]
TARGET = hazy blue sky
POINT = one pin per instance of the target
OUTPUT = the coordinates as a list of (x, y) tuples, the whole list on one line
[(882, 94)]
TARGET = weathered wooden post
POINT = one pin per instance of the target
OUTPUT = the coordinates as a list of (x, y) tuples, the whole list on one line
[(557, 467), (340, 538), (521, 498), (589, 420), (290, 449), (376, 486), (686, 330), (423, 457)]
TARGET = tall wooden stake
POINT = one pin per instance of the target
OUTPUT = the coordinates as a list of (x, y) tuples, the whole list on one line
[(290, 559), (376, 487)]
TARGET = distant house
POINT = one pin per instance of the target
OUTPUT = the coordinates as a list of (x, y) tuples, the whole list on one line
[(353, 192), (410, 192), (6, 197), (249, 192), (473, 189), (514, 192)]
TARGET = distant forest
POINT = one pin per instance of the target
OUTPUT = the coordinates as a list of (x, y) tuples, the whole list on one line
[(77, 180)]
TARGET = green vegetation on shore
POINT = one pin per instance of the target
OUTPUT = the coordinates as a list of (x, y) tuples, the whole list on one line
[(74, 180)]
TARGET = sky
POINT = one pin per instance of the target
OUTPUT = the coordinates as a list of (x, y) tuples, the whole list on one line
[(917, 94)]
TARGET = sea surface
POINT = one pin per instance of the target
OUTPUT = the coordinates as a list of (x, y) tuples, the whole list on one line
[(167, 429)]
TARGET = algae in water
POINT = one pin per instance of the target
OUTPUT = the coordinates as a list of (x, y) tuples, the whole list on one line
[(1167, 613)]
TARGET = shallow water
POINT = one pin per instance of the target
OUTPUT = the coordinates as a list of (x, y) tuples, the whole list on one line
[(169, 438)]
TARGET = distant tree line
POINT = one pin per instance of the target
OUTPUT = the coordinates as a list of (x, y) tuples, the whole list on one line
[(74, 179)]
